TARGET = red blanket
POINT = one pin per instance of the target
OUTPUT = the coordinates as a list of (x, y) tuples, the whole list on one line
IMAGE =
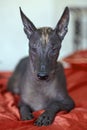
[(74, 120)]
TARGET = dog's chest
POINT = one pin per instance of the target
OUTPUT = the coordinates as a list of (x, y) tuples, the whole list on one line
[(39, 96)]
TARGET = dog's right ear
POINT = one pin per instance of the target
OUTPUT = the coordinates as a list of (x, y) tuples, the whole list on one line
[(29, 28)]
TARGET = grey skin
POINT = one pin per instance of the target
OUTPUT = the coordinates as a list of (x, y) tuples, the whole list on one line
[(39, 78)]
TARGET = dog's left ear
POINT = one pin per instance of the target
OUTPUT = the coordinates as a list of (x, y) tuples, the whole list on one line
[(62, 26)]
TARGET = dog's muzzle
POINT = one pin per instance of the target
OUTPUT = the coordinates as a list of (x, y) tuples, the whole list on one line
[(42, 74)]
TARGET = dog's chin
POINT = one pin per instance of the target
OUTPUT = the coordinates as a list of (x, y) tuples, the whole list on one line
[(42, 79)]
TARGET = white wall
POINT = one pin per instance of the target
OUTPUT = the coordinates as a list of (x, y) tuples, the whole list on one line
[(13, 41)]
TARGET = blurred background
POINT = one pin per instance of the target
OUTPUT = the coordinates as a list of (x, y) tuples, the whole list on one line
[(13, 41)]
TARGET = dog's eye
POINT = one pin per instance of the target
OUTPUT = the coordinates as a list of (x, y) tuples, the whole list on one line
[(54, 51), (34, 49)]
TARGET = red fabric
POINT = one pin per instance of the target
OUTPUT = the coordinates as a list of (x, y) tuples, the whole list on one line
[(74, 120)]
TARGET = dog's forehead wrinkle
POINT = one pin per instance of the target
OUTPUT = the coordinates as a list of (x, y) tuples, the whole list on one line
[(45, 33)]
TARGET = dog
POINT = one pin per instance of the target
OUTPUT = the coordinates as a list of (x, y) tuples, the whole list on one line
[(38, 78)]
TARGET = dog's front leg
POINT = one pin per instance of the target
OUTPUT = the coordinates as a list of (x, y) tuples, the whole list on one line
[(25, 111), (48, 116)]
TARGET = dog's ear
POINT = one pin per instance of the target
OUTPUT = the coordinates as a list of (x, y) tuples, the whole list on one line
[(62, 26), (29, 27)]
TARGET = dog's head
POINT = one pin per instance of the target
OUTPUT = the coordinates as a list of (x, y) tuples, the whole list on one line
[(45, 43)]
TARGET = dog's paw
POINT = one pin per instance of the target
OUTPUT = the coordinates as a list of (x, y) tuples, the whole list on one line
[(45, 119)]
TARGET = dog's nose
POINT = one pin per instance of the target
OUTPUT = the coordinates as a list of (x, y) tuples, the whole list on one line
[(42, 76)]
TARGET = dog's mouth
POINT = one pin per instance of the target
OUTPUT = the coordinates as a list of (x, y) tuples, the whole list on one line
[(39, 76), (42, 76), (46, 76)]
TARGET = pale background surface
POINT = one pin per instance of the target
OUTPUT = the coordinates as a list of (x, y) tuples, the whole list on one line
[(13, 41)]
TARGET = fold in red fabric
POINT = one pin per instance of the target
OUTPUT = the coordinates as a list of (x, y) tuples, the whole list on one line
[(76, 119)]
